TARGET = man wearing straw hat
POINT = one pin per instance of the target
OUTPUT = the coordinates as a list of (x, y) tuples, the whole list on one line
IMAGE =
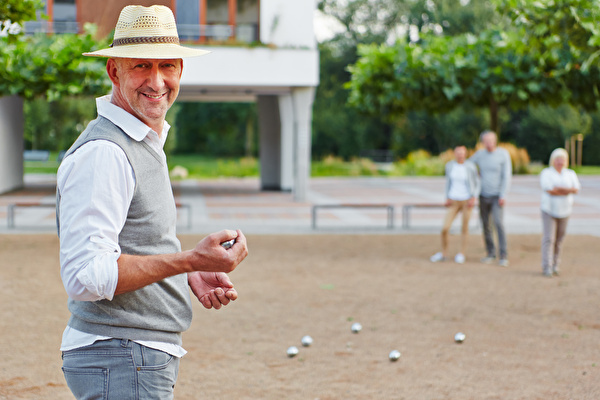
[(121, 262)]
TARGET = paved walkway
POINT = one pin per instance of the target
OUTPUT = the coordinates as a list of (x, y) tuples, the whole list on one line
[(238, 203)]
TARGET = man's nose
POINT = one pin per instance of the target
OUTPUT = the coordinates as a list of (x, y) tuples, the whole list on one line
[(156, 79)]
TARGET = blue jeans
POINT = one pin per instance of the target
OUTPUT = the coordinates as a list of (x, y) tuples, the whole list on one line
[(489, 207), (120, 369)]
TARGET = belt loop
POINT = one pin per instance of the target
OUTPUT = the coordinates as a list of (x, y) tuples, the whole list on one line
[(124, 342)]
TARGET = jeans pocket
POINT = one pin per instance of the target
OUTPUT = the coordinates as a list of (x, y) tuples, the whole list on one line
[(157, 374), (87, 383)]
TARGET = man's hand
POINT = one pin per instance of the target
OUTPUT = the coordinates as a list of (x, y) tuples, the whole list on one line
[(501, 201), (210, 256), (448, 203), (213, 289), (135, 271), (471, 202)]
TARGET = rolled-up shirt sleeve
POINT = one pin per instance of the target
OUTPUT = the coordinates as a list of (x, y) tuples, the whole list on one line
[(96, 185)]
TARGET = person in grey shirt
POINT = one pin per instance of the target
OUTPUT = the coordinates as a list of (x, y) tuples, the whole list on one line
[(495, 169)]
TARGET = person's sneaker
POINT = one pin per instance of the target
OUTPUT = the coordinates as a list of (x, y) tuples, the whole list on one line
[(548, 274), (488, 259), (503, 262), (437, 257), (459, 258)]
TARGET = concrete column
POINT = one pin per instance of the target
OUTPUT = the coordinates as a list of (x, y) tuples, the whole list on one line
[(11, 143), (285, 141), (302, 99), (269, 123), (288, 156)]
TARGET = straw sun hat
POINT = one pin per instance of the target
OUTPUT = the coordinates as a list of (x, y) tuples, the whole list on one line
[(146, 32)]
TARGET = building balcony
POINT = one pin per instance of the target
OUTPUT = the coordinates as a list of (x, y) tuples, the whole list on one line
[(188, 33)]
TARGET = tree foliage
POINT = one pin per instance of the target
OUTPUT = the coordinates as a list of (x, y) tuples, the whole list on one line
[(55, 125), (44, 65), (19, 10), (216, 129), (52, 66), (494, 68)]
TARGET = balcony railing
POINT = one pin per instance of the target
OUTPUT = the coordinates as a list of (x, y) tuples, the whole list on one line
[(245, 33)]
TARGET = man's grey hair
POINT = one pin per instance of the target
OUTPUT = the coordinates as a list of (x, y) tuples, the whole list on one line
[(482, 134)]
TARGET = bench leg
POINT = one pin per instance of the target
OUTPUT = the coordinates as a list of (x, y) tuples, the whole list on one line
[(406, 217), (10, 216), (314, 217)]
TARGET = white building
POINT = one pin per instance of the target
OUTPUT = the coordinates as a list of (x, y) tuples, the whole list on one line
[(262, 50)]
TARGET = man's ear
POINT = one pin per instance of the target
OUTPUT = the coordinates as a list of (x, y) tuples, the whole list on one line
[(181, 69), (113, 71)]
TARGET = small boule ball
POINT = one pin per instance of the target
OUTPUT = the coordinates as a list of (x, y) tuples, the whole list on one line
[(356, 327), (394, 355), (459, 337), (292, 351), (307, 341)]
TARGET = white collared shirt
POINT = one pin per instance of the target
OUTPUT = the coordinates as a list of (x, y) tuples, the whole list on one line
[(96, 183)]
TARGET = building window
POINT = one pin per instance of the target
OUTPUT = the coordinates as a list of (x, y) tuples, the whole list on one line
[(218, 20), (247, 20), (64, 16)]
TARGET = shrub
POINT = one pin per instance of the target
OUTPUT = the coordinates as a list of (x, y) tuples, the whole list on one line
[(420, 162)]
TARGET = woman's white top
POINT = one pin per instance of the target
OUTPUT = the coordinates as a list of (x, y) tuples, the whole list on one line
[(459, 183), (550, 178)]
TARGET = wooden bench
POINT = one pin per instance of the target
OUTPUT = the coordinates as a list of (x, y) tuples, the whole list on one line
[(10, 214), (389, 208)]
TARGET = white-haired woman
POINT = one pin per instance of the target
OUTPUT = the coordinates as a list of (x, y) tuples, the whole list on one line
[(559, 184)]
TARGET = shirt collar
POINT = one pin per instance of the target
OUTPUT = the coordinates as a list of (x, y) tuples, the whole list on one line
[(133, 127)]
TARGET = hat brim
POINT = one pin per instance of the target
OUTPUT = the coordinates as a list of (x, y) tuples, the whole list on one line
[(159, 51)]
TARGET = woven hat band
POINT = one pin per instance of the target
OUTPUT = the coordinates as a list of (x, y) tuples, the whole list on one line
[(145, 40)]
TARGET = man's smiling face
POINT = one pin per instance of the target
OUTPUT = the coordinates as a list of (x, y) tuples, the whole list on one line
[(145, 88)]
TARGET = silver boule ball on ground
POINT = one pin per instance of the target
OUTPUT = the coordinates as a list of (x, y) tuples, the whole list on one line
[(307, 341), (356, 327), (394, 355), (292, 351), (459, 337)]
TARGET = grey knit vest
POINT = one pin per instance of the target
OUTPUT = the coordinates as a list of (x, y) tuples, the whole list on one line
[(160, 311)]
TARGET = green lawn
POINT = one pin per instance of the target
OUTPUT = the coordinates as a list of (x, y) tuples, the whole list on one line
[(208, 167)]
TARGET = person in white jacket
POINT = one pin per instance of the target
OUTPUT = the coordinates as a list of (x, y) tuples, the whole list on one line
[(559, 184), (462, 188)]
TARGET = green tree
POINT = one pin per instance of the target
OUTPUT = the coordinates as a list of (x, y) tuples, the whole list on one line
[(48, 71), (216, 129), (541, 128), (337, 128), (19, 11), (55, 125), (52, 66), (494, 68)]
